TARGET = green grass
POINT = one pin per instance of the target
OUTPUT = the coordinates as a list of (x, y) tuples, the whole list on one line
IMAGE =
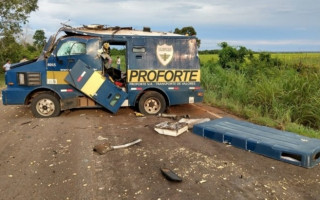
[(2, 84), (286, 97), (306, 59), (123, 62), (204, 58)]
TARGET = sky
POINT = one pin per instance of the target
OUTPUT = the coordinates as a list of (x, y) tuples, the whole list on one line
[(259, 25)]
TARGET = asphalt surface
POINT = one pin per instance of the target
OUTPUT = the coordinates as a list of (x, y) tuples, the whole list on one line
[(54, 159)]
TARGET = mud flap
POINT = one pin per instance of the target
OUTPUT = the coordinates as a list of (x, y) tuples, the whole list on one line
[(96, 86)]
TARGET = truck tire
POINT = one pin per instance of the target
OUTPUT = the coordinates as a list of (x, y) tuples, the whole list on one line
[(45, 105), (152, 103)]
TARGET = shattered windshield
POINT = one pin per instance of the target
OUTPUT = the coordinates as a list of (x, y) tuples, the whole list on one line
[(72, 48)]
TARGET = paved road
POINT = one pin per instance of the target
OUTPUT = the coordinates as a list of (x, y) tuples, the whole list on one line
[(54, 159)]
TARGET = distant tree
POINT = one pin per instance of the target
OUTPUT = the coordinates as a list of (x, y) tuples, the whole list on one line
[(39, 39), (11, 51), (13, 13), (232, 57), (15, 51), (117, 52), (190, 31)]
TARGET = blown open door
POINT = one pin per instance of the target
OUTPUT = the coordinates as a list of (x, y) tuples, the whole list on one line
[(96, 86)]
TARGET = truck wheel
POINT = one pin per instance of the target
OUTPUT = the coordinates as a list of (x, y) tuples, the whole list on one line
[(152, 103), (45, 105)]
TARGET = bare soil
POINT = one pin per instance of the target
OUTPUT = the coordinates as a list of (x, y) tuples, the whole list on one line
[(54, 159)]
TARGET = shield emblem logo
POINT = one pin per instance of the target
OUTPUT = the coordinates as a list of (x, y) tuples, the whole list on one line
[(164, 54)]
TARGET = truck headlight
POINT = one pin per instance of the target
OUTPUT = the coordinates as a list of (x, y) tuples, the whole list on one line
[(22, 78)]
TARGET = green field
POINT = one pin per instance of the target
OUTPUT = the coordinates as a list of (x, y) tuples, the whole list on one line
[(283, 94), (304, 59), (307, 59), (204, 58), (123, 62)]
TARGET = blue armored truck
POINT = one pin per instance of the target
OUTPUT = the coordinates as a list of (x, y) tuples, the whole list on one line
[(75, 71)]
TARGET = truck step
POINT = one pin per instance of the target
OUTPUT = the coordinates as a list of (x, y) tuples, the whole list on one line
[(280, 145)]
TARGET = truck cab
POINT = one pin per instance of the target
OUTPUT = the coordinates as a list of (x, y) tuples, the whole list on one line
[(160, 69)]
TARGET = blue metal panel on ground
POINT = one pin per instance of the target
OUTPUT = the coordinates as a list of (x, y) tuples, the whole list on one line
[(280, 145)]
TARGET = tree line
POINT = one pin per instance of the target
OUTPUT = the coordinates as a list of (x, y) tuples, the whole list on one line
[(13, 14)]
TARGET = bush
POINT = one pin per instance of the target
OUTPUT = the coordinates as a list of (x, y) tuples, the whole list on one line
[(231, 57)]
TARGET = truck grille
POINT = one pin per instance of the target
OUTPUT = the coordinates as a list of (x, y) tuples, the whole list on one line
[(33, 78)]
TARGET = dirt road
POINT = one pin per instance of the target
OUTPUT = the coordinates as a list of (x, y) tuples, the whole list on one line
[(54, 159)]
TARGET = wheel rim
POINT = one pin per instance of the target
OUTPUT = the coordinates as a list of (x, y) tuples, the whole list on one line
[(152, 105), (45, 107)]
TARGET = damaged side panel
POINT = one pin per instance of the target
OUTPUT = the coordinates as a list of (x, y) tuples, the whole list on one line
[(95, 86)]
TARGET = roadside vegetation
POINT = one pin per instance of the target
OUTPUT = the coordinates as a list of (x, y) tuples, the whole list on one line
[(278, 90), (17, 50), (2, 80)]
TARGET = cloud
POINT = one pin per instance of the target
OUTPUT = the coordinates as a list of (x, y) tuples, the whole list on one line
[(167, 15), (140, 12)]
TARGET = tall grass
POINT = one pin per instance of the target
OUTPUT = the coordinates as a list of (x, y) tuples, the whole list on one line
[(280, 96)]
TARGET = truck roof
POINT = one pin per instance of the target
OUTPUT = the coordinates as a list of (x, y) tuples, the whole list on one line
[(100, 30)]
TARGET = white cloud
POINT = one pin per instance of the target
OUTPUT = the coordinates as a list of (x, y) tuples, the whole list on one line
[(141, 12), (272, 14)]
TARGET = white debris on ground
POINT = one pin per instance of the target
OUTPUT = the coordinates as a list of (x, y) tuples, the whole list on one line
[(171, 128)]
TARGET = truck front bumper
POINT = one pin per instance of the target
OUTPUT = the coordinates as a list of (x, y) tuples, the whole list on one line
[(12, 96)]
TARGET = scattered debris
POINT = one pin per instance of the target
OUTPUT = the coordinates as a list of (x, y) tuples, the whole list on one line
[(202, 181), (171, 128), (172, 116), (192, 122), (24, 123), (170, 175), (138, 114), (34, 127), (101, 138), (105, 147)]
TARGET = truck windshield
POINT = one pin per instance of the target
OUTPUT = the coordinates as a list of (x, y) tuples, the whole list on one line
[(72, 48)]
